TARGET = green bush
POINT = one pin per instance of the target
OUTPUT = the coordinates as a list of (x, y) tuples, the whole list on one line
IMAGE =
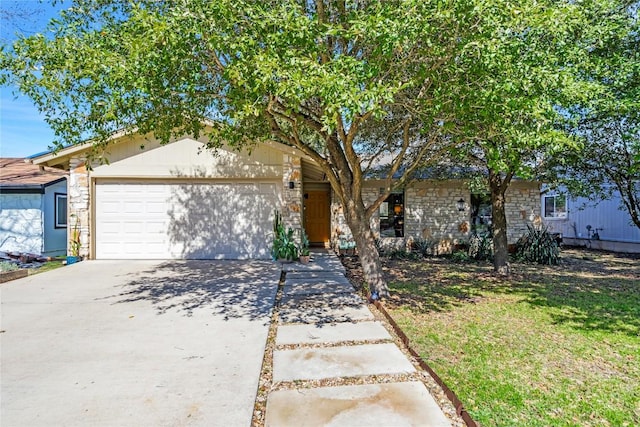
[(7, 266), (284, 244), (459, 256), (538, 246), (424, 247), (481, 247)]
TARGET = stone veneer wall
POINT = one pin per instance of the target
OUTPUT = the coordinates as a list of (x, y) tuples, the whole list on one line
[(523, 207), (431, 213), (78, 204), (292, 198)]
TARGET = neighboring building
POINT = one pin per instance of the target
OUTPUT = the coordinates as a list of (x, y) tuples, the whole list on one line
[(179, 200), (597, 225), (33, 208)]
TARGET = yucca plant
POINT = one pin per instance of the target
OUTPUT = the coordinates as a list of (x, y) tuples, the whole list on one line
[(284, 244), (424, 247), (538, 246)]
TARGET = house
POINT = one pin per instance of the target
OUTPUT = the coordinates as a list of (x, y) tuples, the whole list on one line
[(596, 225), (178, 200), (33, 208)]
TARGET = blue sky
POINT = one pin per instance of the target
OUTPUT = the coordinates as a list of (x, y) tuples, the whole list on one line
[(23, 131)]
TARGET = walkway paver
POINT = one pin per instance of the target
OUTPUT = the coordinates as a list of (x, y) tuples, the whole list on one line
[(343, 361), (330, 333), (393, 404), (323, 309), (326, 332), (303, 287)]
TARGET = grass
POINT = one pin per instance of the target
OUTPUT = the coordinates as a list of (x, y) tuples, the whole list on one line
[(47, 266), (549, 346)]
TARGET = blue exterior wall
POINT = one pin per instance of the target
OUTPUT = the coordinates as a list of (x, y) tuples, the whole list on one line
[(55, 239)]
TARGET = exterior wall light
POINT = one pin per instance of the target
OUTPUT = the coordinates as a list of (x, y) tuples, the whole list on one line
[(461, 204)]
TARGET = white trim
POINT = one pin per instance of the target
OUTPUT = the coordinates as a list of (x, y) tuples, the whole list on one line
[(554, 195), (57, 196)]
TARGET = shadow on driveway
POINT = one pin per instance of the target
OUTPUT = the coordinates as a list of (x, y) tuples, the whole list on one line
[(232, 289)]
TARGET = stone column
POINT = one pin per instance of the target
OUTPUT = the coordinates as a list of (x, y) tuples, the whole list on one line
[(79, 205), (292, 197)]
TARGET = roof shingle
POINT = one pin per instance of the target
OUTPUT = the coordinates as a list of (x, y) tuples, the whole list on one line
[(15, 172)]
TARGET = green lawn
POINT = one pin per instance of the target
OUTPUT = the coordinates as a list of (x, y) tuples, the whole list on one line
[(47, 266), (550, 346)]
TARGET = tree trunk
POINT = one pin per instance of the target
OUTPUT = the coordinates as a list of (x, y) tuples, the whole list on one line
[(360, 226), (498, 188)]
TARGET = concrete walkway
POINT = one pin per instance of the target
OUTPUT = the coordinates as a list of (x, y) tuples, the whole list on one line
[(326, 336)]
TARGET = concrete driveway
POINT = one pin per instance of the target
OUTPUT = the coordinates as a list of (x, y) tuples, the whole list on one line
[(135, 343)]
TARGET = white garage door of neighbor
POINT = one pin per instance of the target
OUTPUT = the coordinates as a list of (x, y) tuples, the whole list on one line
[(208, 220)]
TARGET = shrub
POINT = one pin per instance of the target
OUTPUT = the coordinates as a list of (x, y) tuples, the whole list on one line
[(538, 246), (424, 247), (284, 245), (459, 256), (7, 266), (481, 247)]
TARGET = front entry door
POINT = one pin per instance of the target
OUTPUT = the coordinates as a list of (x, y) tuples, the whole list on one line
[(316, 216)]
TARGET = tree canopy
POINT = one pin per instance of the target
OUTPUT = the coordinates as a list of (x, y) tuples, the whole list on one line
[(353, 85), (607, 161)]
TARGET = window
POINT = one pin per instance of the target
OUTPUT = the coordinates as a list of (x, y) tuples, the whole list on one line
[(61, 210), (392, 216), (555, 206)]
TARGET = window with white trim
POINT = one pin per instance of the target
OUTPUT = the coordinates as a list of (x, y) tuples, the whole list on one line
[(554, 206), (60, 210)]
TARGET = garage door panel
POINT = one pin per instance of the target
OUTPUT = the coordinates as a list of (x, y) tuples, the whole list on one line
[(132, 227), (192, 221), (159, 207), (111, 207), (156, 227)]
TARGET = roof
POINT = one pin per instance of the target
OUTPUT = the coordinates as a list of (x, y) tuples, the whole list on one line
[(60, 158), (16, 173)]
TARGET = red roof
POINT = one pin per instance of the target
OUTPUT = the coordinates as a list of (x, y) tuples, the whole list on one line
[(15, 172)]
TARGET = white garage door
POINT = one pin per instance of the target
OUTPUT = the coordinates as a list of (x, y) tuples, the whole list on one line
[(212, 220)]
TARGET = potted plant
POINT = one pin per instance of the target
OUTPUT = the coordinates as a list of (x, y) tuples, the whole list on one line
[(304, 250), (284, 246), (74, 244)]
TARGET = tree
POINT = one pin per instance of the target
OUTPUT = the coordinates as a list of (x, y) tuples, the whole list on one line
[(354, 85), (608, 126), (608, 162), (322, 76), (513, 71)]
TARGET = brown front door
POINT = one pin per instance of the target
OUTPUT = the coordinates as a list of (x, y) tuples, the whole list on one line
[(316, 216)]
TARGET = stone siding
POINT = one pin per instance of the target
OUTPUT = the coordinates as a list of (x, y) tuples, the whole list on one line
[(78, 204), (522, 206), (292, 197), (431, 213)]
